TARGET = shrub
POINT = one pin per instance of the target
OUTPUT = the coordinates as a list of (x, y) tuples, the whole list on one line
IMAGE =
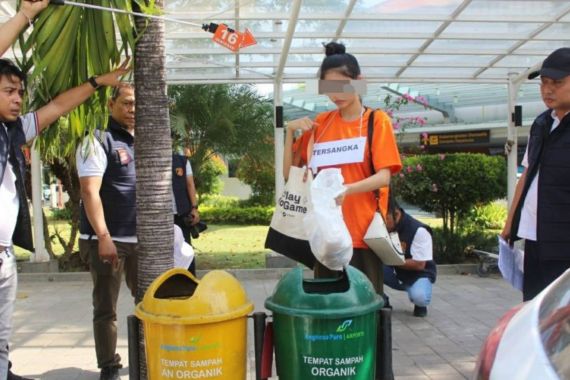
[(61, 214), (237, 215), (451, 185), (207, 176), (491, 216), (259, 173), (452, 248), (219, 201)]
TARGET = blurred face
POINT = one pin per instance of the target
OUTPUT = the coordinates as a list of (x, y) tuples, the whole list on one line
[(556, 93), (123, 108), (11, 94), (340, 99)]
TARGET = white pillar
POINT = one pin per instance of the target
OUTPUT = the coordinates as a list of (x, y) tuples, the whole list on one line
[(279, 142), (40, 254), (513, 88)]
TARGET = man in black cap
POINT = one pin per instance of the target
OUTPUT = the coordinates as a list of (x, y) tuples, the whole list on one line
[(544, 221)]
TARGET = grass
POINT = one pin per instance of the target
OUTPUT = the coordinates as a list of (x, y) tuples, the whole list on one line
[(220, 247), (231, 247), (62, 227)]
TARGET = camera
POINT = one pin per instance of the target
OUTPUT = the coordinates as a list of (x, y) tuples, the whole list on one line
[(194, 229), (197, 228)]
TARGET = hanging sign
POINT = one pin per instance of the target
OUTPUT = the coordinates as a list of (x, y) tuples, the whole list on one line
[(233, 39)]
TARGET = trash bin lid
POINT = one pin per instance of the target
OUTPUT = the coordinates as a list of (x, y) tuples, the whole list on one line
[(351, 295), (176, 297)]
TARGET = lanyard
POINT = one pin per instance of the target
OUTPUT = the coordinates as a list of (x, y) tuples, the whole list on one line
[(332, 119)]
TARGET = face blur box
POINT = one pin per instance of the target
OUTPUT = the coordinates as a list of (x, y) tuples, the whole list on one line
[(349, 86)]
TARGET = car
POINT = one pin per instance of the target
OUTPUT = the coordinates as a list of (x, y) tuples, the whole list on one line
[(46, 192), (532, 340)]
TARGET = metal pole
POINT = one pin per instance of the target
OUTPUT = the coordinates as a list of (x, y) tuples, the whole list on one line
[(279, 139), (384, 345), (512, 156), (258, 336), (40, 254), (133, 344)]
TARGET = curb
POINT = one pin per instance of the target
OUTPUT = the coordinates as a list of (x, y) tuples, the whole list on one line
[(240, 274)]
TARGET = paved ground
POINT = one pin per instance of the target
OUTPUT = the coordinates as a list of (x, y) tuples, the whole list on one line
[(52, 334)]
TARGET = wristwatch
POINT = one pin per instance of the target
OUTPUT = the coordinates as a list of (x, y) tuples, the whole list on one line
[(93, 82)]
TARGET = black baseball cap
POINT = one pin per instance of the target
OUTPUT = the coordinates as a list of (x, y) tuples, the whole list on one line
[(555, 66)]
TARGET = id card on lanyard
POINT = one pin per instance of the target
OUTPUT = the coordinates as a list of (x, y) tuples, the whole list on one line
[(337, 152)]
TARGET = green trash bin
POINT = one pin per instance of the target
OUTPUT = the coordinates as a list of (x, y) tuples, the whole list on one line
[(325, 328)]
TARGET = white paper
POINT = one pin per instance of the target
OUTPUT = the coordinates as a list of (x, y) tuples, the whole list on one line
[(511, 263), (338, 152)]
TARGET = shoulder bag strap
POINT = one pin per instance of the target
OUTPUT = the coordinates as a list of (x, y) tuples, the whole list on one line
[(370, 135)]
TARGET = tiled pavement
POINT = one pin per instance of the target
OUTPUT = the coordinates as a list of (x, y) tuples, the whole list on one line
[(52, 336)]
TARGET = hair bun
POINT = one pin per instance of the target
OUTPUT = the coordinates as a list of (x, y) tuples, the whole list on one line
[(333, 48)]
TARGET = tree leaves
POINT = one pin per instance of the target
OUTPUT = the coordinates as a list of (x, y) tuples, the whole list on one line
[(66, 46)]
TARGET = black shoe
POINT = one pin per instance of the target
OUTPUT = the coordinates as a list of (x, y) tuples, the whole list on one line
[(386, 302), (420, 311), (110, 373), (12, 376)]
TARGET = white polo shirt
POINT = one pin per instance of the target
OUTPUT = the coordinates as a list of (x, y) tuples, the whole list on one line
[(528, 221), (8, 193), (422, 245)]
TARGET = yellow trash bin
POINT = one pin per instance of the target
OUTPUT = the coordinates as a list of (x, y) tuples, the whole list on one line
[(195, 329)]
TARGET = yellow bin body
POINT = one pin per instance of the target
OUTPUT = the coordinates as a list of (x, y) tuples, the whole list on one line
[(197, 336)]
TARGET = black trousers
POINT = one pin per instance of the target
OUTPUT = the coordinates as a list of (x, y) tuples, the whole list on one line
[(538, 272), (366, 261)]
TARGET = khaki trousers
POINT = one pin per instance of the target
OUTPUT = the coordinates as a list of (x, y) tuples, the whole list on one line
[(106, 286)]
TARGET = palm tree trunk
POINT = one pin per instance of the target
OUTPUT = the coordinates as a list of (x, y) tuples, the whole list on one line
[(153, 156)]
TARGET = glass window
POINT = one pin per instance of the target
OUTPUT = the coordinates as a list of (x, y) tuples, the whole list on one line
[(400, 7), (491, 28), (506, 9)]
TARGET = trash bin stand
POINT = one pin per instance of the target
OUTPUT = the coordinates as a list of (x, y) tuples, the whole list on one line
[(384, 349), (133, 341), (258, 334)]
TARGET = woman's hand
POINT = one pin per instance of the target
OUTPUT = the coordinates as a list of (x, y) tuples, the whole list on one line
[(340, 199), (304, 124)]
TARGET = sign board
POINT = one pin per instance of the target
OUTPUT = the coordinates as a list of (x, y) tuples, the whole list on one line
[(233, 39), (455, 138)]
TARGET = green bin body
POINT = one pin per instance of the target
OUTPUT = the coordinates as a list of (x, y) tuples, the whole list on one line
[(325, 328)]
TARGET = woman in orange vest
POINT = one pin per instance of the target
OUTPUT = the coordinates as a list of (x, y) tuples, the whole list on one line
[(347, 125)]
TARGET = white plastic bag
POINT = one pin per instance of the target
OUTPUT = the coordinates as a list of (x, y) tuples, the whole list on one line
[(183, 252), (329, 238)]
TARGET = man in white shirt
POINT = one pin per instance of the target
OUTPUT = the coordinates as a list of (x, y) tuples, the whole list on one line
[(418, 273), (106, 169), (15, 132), (540, 212)]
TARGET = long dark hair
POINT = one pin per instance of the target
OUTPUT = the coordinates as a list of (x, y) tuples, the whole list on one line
[(393, 205), (337, 59)]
